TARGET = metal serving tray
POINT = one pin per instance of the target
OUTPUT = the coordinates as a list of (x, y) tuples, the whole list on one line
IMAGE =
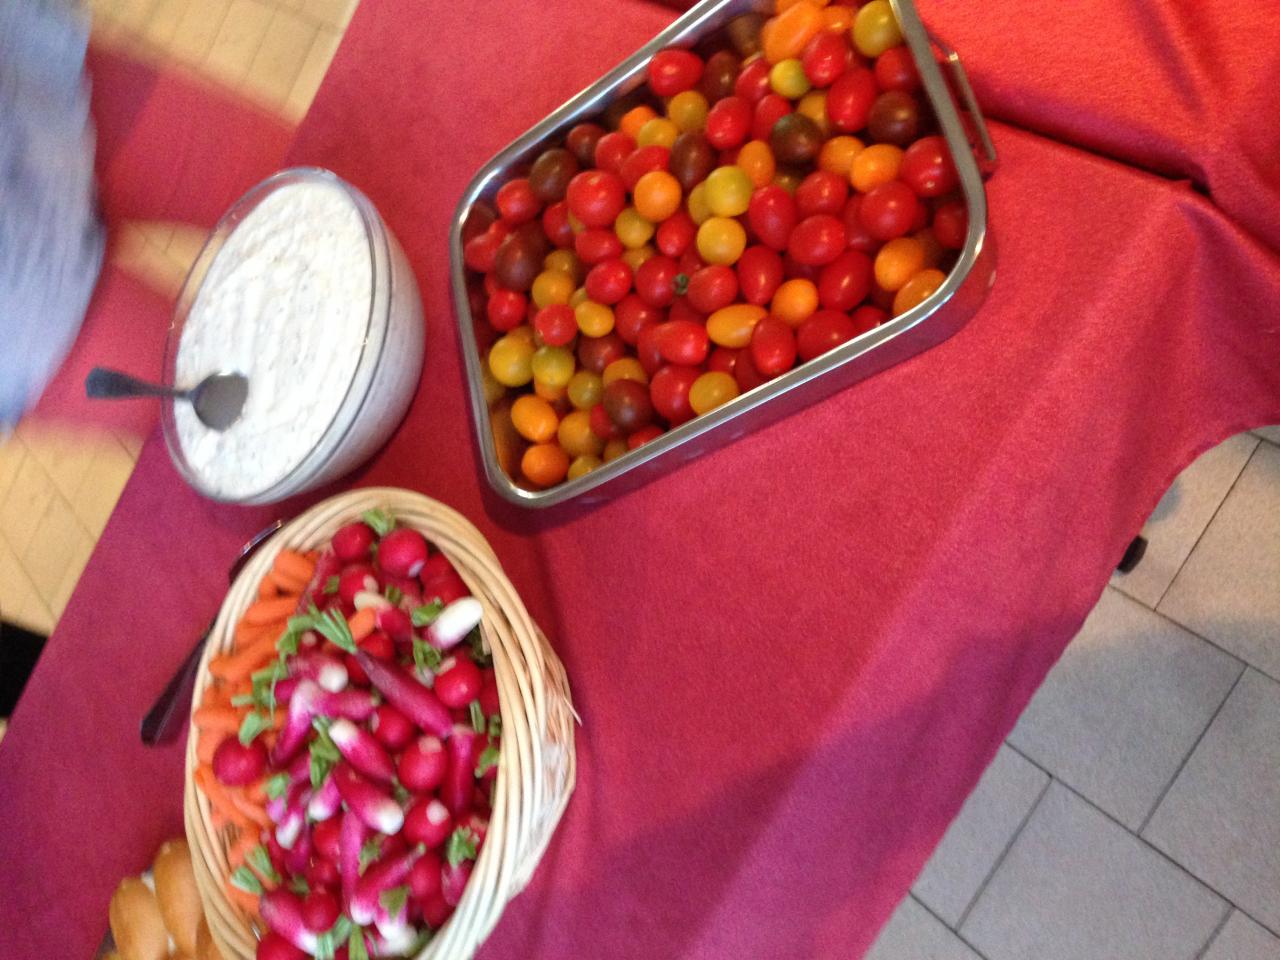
[(903, 336)]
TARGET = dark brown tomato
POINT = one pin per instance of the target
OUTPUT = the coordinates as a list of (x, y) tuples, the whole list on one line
[(894, 118), (520, 257), (692, 159), (744, 34), (795, 139), (582, 141), (551, 174), (720, 75)]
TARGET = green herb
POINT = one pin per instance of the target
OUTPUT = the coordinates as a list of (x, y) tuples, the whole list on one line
[(394, 899), (477, 717), (242, 700), (298, 884), (422, 940), (426, 614), (330, 586), (325, 947), (264, 684), (479, 652), (324, 752), (489, 757), (277, 785), (495, 726), (254, 723), (327, 942), (394, 594), (370, 852), (342, 927), (356, 949), (246, 880), (332, 625), (460, 846), (402, 796), (381, 521), (260, 860), (425, 656)]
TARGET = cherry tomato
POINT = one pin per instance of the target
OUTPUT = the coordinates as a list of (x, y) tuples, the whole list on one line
[(544, 464), (655, 281), (612, 150), (632, 315), (875, 29), (867, 318), (647, 343), (658, 132), (556, 325), (712, 389), (837, 155), (681, 309), (632, 120), (788, 79), (506, 309), (601, 425), (719, 75), (877, 164), (556, 225), (882, 298), (613, 450), (796, 140), (824, 331), (731, 326), (849, 99), (721, 240), (745, 373), (582, 140), (817, 240), (552, 367), (951, 224), (608, 282), (534, 419), (921, 219), (642, 161), (760, 272), (628, 405), (551, 286), (787, 34), (585, 389), (510, 361), (596, 197), (712, 287), (822, 192), (683, 341), (697, 204), (728, 191), (688, 110), (517, 202), (894, 118), (692, 158), (581, 466), (722, 359), (676, 234), (671, 71), (576, 436), (917, 290), (856, 235), (596, 353), (566, 261), (519, 257), (826, 57), (768, 112), (795, 301), (927, 168), (844, 282), (633, 229), (837, 18), (897, 261), (896, 70), (643, 436), (628, 368), (728, 123), (773, 347), (481, 253), (595, 319), (753, 82), (814, 106), (889, 210), (596, 246), (772, 215), (551, 174)]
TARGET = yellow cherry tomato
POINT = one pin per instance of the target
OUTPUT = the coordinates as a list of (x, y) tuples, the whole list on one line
[(875, 29), (729, 191), (551, 286), (731, 326), (544, 464), (566, 261), (814, 106), (636, 118), (711, 390), (594, 319), (657, 195), (627, 368), (688, 110), (510, 360), (633, 258), (788, 79), (837, 153), (534, 419), (632, 229), (583, 465), (586, 389), (579, 296), (524, 334), (576, 436), (552, 366), (795, 301), (917, 290), (721, 240), (877, 164), (756, 160), (493, 390), (897, 261), (614, 449), (658, 132), (699, 208)]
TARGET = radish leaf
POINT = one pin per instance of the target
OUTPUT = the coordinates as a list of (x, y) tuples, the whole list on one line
[(246, 880), (298, 884), (277, 785), (381, 521), (478, 652), (460, 846), (394, 594), (370, 852), (394, 899), (488, 760), (477, 717), (254, 723), (331, 586), (426, 614), (425, 656), (260, 860), (356, 949)]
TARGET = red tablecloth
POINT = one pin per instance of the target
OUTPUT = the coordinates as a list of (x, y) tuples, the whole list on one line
[(793, 657)]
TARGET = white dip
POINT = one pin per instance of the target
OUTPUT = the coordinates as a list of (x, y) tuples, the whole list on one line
[(286, 302)]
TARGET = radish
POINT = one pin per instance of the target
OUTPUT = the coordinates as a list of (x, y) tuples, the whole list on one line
[(300, 768), (374, 808), (391, 727), (382, 876), (284, 689), (299, 855), (402, 552), (272, 946), (417, 702), (353, 542), (378, 644), (423, 763), (327, 566), (320, 910), (357, 705), (456, 620), (395, 942), (459, 781), (354, 671), (424, 878), (328, 672), (326, 801), (362, 750), (489, 694), (357, 578), (458, 680), (428, 822), (410, 589), (435, 911), (395, 623), (453, 880), (350, 840), (324, 837), (290, 827), (370, 598), (238, 765), (297, 724), (322, 873), (437, 566), (445, 589), (282, 911)]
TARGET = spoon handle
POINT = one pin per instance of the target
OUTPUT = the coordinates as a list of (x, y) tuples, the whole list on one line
[(103, 382)]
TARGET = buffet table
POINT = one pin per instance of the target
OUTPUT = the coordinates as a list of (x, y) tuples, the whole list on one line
[(792, 657)]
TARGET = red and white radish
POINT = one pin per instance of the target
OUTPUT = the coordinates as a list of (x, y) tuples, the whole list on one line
[(395, 623), (391, 727), (325, 801), (324, 837), (320, 910), (362, 750), (456, 620), (423, 763), (428, 822), (402, 552), (380, 877), (459, 781), (357, 578), (282, 911), (424, 878), (350, 839), (458, 681), (272, 946), (327, 672), (409, 696), (453, 880), (354, 542), (375, 809), (238, 765)]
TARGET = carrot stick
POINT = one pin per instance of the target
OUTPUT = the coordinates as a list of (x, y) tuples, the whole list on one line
[(247, 633), (246, 902), (287, 584), (267, 588), (294, 565), (256, 793), (249, 810), (362, 623), (236, 666), (219, 799), (218, 719), (206, 744), (270, 611)]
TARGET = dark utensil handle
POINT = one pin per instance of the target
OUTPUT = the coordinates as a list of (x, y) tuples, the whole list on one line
[(159, 725), (103, 382)]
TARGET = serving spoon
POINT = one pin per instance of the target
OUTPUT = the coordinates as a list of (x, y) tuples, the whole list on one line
[(217, 399)]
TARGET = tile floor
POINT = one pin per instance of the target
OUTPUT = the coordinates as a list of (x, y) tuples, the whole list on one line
[(1134, 812)]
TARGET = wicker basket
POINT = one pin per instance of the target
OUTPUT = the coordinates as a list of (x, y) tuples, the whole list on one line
[(536, 769)]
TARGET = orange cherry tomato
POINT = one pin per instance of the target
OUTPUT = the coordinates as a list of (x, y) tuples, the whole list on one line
[(795, 301), (897, 261), (657, 196), (837, 18), (544, 464), (786, 34), (711, 390), (877, 164), (547, 392), (837, 153), (731, 326), (917, 290), (784, 4), (576, 436), (534, 419), (756, 159), (628, 368), (636, 118)]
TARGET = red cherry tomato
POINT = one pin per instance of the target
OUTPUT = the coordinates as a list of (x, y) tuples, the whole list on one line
[(793, 268), (555, 224), (676, 234), (817, 240), (673, 71), (921, 219), (771, 108), (723, 359), (669, 391), (889, 210), (647, 351), (656, 281), (826, 57), (597, 245), (642, 161), (951, 224), (728, 123), (506, 309), (481, 253), (596, 197), (927, 168), (690, 263), (869, 317), (612, 149), (600, 423), (849, 99), (608, 282), (760, 273), (773, 347), (596, 353), (772, 216), (753, 82), (643, 436), (822, 192), (683, 341), (681, 309), (844, 282), (632, 315), (517, 202), (556, 325), (896, 70), (856, 235), (823, 331), (582, 140), (712, 288), (745, 372)]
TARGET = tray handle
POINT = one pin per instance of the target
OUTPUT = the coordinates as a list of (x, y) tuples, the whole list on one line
[(986, 148)]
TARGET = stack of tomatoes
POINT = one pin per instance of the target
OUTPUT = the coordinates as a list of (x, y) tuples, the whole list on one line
[(749, 210)]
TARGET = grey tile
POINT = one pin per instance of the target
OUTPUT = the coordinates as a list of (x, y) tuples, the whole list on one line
[(1229, 588), (1221, 817), (1271, 433), (979, 835), (1242, 939), (1181, 516), (1078, 886), (913, 934), (1121, 710)]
